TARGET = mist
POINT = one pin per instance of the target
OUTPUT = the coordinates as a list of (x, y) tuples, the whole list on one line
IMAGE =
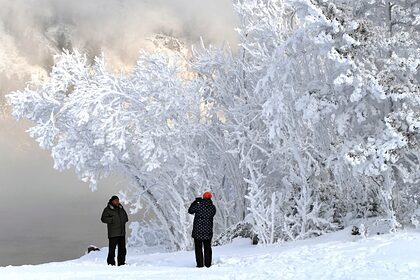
[(32, 31), (48, 215)]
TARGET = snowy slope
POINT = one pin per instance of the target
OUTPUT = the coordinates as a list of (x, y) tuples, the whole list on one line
[(333, 256)]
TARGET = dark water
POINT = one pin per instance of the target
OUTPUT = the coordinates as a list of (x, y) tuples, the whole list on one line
[(45, 215), (51, 227)]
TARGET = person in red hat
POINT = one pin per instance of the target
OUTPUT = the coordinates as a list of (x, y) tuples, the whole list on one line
[(207, 195), (203, 211)]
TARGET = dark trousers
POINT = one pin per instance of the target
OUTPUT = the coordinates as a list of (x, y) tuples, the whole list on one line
[(113, 242), (198, 244)]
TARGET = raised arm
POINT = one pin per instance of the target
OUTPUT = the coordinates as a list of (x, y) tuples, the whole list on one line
[(125, 216), (193, 207)]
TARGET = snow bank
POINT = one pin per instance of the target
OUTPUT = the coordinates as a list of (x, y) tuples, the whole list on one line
[(333, 256)]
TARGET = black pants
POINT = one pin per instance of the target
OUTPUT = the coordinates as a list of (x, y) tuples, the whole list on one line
[(113, 242), (198, 244)]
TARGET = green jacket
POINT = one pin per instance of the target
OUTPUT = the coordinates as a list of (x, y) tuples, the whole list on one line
[(115, 218)]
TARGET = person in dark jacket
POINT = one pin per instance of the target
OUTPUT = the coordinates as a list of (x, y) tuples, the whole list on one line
[(203, 211), (115, 217)]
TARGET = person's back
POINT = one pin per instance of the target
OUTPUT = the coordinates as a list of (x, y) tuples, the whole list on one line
[(203, 211)]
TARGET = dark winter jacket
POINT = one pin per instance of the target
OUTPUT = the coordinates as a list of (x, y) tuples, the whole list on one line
[(115, 218), (204, 211)]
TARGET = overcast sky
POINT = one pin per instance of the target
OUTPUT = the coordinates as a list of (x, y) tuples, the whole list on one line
[(47, 215)]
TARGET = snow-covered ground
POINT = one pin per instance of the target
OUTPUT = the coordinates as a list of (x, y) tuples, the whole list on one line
[(333, 256)]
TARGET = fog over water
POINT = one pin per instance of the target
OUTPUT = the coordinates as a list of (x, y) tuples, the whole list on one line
[(48, 215), (45, 215)]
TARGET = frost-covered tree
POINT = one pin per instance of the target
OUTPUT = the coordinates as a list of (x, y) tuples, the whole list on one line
[(275, 89), (311, 120), (298, 97), (99, 123), (388, 49)]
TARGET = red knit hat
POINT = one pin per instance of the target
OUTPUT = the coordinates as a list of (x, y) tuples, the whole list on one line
[(207, 195)]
